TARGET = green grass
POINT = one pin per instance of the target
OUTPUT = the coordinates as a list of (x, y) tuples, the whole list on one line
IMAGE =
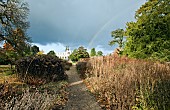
[(6, 70)]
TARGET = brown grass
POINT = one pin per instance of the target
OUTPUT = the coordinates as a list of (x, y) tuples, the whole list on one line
[(121, 83)]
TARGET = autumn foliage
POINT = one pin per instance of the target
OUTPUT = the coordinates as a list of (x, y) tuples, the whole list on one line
[(8, 47)]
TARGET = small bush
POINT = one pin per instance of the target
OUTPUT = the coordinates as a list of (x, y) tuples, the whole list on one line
[(66, 65), (82, 69), (40, 69)]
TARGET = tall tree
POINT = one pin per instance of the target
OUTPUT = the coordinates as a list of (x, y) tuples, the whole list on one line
[(81, 52), (149, 36), (118, 36), (13, 24), (93, 52)]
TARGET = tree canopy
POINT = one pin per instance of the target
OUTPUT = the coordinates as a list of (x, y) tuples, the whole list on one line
[(81, 52), (13, 24), (52, 53), (35, 49), (149, 35), (93, 52), (99, 53), (117, 35)]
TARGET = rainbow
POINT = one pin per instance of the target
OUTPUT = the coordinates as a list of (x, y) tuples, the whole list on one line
[(108, 23)]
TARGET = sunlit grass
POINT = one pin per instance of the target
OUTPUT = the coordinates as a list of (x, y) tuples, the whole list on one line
[(7, 75)]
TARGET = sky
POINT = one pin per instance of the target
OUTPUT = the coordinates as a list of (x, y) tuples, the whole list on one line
[(55, 24)]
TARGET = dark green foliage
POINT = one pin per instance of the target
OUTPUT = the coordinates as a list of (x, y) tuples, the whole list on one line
[(99, 53), (35, 49), (48, 68), (4, 61), (81, 52), (149, 36), (93, 52), (117, 38), (51, 53)]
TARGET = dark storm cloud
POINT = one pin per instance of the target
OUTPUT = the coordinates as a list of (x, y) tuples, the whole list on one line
[(75, 22)]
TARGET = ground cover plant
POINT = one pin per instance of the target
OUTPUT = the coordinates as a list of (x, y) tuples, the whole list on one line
[(22, 96), (121, 83)]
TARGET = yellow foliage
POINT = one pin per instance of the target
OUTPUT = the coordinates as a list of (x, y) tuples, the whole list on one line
[(40, 52)]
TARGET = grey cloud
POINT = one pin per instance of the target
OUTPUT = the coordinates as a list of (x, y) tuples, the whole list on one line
[(76, 22)]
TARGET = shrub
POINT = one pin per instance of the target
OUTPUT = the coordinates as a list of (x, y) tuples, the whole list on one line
[(4, 61), (66, 65), (40, 69), (83, 69)]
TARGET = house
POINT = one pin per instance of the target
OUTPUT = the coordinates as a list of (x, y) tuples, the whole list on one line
[(64, 55)]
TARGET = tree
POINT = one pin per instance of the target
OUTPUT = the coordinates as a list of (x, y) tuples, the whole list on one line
[(8, 47), (73, 55), (118, 36), (81, 52), (8, 54), (99, 53), (93, 52), (149, 35), (13, 24), (35, 49), (52, 53)]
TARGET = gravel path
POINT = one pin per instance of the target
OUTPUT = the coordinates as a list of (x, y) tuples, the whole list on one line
[(79, 97)]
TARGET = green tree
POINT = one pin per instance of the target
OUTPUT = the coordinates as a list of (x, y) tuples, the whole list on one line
[(73, 55), (8, 54), (93, 52), (52, 53), (35, 49), (81, 52), (99, 53), (118, 36), (149, 35), (3, 57), (13, 24)]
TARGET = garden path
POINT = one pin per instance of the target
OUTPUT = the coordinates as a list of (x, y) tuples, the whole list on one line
[(79, 97)]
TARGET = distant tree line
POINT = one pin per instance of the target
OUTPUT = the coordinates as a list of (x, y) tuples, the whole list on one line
[(94, 53)]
